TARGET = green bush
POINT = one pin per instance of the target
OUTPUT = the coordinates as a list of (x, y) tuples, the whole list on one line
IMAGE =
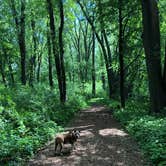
[(148, 130), (132, 111), (31, 117), (151, 133)]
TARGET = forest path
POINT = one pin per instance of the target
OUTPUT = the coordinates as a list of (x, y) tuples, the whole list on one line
[(103, 142)]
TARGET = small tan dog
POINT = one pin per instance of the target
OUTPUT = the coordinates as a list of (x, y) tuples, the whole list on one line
[(69, 138)]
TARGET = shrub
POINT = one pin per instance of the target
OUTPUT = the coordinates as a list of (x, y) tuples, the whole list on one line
[(148, 130), (31, 117), (151, 133)]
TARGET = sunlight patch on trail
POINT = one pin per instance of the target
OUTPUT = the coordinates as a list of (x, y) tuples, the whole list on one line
[(112, 131), (95, 109), (79, 127)]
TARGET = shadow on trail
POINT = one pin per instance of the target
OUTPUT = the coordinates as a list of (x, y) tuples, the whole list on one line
[(102, 143)]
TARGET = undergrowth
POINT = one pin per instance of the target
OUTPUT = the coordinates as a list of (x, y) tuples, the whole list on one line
[(148, 130), (31, 117)]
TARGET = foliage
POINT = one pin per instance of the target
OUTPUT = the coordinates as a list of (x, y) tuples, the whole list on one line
[(29, 118), (148, 130), (151, 133), (30, 115)]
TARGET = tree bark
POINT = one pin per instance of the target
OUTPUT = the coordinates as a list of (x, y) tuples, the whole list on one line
[(22, 43), (51, 83), (33, 57), (2, 72), (57, 59), (39, 60), (20, 27), (61, 52), (93, 67), (164, 73), (121, 61), (151, 41)]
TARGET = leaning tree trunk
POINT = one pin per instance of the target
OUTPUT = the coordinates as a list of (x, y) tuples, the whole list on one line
[(151, 41), (107, 65)]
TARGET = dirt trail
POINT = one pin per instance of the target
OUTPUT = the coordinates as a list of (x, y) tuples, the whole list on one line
[(103, 142)]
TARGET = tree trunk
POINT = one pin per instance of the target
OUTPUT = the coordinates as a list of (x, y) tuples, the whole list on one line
[(11, 72), (39, 59), (9, 67), (72, 72), (103, 80), (164, 73), (56, 51), (20, 27), (51, 83), (93, 67), (107, 65), (22, 43), (33, 57), (121, 61), (61, 52), (31, 71), (76, 43), (151, 41), (2, 72)]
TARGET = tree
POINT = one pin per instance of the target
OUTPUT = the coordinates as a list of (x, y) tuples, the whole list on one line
[(61, 52), (20, 28), (93, 67), (106, 57), (151, 41), (58, 49), (49, 59), (121, 61)]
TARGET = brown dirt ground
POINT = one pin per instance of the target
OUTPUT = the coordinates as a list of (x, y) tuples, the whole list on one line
[(103, 142)]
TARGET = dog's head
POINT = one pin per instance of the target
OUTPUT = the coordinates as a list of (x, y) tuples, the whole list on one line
[(76, 133)]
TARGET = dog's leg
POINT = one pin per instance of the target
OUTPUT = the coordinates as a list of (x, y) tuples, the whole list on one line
[(60, 150), (56, 145), (73, 146)]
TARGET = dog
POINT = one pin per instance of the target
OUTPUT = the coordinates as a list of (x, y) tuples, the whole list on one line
[(69, 138)]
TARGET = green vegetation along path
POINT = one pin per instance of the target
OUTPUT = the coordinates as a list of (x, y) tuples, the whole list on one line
[(103, 142)]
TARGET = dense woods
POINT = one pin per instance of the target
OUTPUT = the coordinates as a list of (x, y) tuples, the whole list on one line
[(57, 56)]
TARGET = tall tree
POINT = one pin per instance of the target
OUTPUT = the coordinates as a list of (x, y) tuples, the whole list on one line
[(164, 73), (51, 83), (61, 52), (20, 27), (93, 67), (104, 50), (151, 41), (58, 56), (2, 66), (121, 61), (33, 56)]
